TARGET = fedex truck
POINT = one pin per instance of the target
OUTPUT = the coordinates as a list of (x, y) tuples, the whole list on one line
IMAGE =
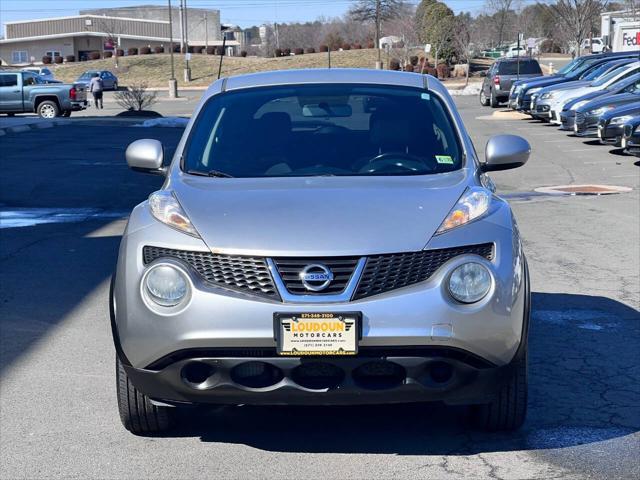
[(621, 30)]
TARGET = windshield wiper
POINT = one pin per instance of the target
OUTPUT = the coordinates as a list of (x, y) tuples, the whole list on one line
[(210, 173)]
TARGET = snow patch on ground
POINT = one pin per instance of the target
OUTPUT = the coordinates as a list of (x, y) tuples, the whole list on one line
[(28, 217), (472, 89), (594, 320), (173, 122)]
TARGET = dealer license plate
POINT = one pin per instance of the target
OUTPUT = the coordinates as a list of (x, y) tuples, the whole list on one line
[(623, 142), (599, 132), (299, 334)]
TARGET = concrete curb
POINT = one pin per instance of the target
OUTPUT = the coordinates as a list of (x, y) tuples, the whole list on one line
[(33, 125)]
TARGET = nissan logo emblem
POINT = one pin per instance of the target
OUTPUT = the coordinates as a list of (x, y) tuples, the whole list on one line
[(316, 277)]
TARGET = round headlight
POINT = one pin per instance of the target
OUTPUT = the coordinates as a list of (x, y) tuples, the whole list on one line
[(469, 282), (166, 285)]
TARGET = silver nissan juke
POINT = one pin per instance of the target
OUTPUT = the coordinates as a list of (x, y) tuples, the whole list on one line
[(323, 237)]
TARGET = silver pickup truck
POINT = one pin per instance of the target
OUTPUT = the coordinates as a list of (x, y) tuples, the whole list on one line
[(25, 92)]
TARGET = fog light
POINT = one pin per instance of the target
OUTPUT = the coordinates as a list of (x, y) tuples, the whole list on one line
[(166, 285), (469, 282)]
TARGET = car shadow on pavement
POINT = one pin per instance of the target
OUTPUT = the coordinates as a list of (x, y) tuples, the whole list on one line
[(584, 388)]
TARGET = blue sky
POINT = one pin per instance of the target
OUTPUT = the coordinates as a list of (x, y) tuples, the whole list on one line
[(242, 12)]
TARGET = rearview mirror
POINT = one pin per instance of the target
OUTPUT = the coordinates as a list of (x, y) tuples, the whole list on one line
[(146, 156), (504, 152)]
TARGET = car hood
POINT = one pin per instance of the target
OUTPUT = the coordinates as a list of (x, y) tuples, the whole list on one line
[(544, 82), (629, 108), (588, 96), (620, 99), (323, 216)]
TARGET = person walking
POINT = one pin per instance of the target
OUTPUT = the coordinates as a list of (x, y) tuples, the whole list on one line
[(96, 87)]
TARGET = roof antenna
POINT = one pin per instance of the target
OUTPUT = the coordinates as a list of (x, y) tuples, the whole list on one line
[(224, 44)]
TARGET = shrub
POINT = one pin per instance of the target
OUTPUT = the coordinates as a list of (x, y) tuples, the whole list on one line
[(443, 70), (95, 56), (108, 54), (311, 50), (408, 68), (394, 64), (549, 46), (136, 97), (176, 48), (371, 45), (346, 46), (145, 51), (278, 52), (219, 51), (70, 58), (132, 51), (120, 52), (286, 52), (158, 49), (299, 51), (414, 60), (324, 48), (211, 50), (191, 49), (243, 53), (356, 46), (47, 60), (429, 70), (57, 59)]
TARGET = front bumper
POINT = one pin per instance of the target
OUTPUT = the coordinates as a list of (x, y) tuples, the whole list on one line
[(610, 134), (567, 119), (409, 375), (633, 144), (585, 126)]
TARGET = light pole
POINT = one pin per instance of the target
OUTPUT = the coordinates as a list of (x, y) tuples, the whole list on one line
[(173, 84), (187, 70)]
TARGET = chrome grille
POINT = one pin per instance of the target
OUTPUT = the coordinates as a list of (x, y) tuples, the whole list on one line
[(244, 274), (290, 268), (579, 118), (383, 273)]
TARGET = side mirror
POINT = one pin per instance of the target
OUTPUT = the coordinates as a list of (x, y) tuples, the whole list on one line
[(504, 152), (146, 156)]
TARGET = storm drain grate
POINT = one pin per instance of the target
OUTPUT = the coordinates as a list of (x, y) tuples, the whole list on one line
[(583, 190)]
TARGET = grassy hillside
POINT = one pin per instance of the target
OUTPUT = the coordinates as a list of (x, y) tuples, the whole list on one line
[(155, 69)]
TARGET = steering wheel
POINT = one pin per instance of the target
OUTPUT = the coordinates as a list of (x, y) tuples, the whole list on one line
[(389, 161)]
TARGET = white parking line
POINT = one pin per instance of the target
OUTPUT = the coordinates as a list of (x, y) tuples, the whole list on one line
[(558, 141), (581, 150)]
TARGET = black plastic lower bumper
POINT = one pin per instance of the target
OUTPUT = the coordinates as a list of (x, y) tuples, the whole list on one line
[(321, 381)]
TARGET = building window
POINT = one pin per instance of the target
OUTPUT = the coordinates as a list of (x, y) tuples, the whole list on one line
[(19, 56), (53, 54)]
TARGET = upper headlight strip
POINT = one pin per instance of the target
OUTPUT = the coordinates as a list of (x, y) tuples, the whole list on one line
[(473, 204), (166, 209)]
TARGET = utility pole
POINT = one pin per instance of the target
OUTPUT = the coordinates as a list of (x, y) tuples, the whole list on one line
[(379, 62), (206, 31), (182, 50), (173, 84), (187, 70)]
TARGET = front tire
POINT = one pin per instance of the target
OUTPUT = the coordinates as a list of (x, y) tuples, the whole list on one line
[(509, 409), (48, 109), (137, 413)]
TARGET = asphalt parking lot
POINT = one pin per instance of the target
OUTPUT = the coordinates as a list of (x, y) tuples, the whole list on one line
[(64, 195)]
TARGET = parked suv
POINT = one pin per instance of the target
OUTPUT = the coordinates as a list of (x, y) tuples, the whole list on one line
[(497, 84), (353, 252)]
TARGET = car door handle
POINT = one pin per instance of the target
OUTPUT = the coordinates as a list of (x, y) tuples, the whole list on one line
[(16, 91)]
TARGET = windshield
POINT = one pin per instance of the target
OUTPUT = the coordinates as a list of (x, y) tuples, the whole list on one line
[(582, 69), (606, 78), (320, 130), (569, 67), (86, 76), (597, 71)]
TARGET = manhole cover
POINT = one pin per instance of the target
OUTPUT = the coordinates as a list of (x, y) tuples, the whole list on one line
[(583, 190)]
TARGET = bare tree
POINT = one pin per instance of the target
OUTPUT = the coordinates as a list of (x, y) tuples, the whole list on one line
[(500, 10), (578, 18), (112, 28), (136, 97), (462, 39), (376, 11)]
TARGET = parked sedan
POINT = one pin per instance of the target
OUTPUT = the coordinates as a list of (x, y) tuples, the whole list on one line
[(627, 86), (611, 124), (631, 137), (556, 100), (542, 99), (109, 80), (588, 116)]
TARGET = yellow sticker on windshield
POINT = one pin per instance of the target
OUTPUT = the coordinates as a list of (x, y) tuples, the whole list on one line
[(446, 159)]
